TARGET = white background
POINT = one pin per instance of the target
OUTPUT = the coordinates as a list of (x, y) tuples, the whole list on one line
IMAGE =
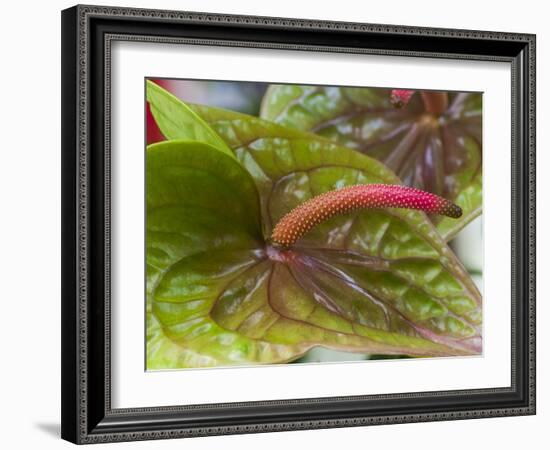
[(30, 226), (132, 387)]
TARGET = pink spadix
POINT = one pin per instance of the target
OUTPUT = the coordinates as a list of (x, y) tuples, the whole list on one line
[(365, 196), (400, 97)]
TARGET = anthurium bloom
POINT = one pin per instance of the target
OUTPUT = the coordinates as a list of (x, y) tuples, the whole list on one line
[(431, 140), (341, 201), (220, 293)]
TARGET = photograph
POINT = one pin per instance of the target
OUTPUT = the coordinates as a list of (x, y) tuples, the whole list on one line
[(275, 225), (291, 223), (283, 223)]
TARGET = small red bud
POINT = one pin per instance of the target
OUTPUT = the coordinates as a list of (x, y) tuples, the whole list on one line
[(366, 196), (400, 97)]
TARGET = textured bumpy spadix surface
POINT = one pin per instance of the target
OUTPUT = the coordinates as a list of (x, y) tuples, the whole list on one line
[(322, 207)]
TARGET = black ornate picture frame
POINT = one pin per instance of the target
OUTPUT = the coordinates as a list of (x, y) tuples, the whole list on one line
[(87, 35)]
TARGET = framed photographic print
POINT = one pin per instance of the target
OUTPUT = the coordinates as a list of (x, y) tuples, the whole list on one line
[(281, 224)]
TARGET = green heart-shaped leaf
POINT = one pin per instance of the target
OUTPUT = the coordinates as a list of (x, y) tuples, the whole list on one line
[(372, 282), (203, 231), (440, 154)]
